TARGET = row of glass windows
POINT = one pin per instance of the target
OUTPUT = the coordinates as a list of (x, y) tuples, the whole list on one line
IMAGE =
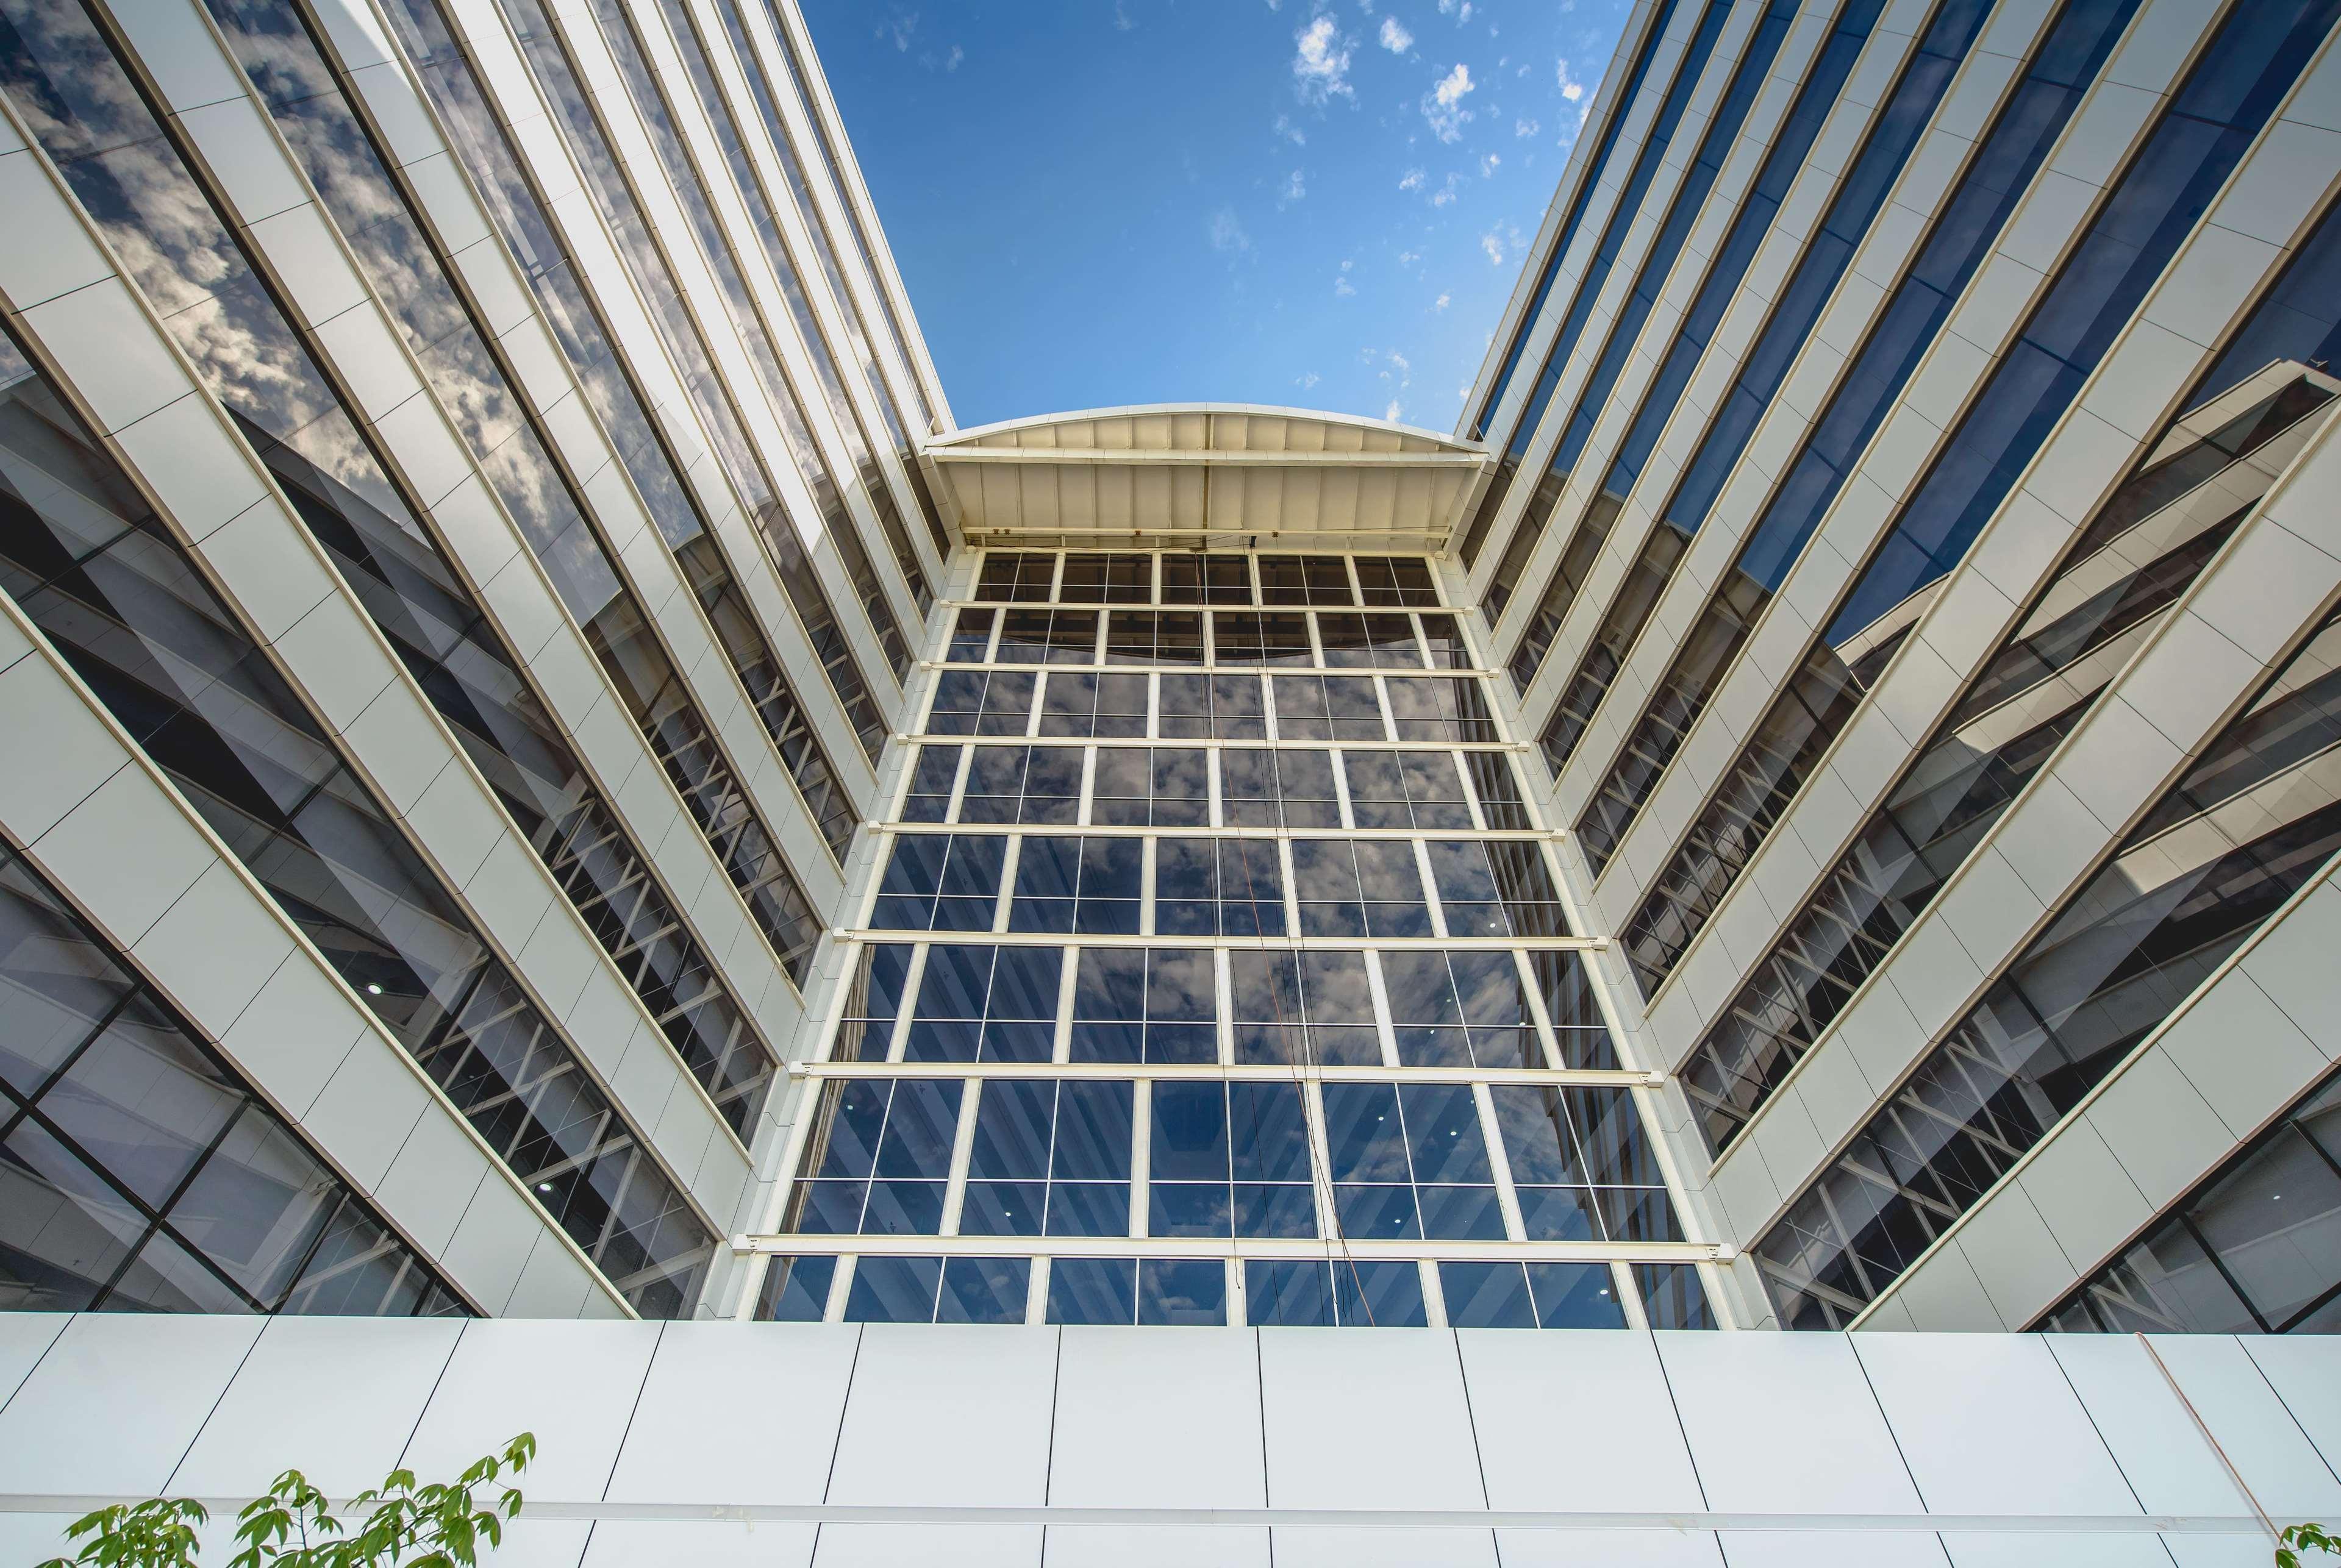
[(108, 144), (94, 570), (2246, 824), (762, 206), (1359, 709), (1223, 887), (1013, 577), (2231, 90), (2142, 551), (1230, 786), (1216, 1156), (138, 1171), (421, 605), (1817, 96), (573, 314), (1285, 638), (1409, 1008), (1723, 129), (1822, 262), (1591, 180), (624, 33), (712, 397), (2255, 1249), (1309, 1293)]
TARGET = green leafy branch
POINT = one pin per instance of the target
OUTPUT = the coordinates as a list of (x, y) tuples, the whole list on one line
[(445, 1524), (2298, 1538)]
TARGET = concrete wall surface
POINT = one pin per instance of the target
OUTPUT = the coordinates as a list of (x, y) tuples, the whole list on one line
[(841, 1444)]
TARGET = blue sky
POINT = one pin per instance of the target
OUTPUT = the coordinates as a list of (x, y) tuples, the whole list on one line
[(1100, 202)]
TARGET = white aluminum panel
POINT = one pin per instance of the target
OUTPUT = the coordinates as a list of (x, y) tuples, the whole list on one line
[(702, 1543), (947, 1415), (1652, 1548), (71, 1428), (1974, 1549), (1832, 1549), (77, 753), (737, 1413), (2304, 1370), (1322, 1388), (25, 1338), (1631, 1459), (1302, 1548), (1988, 1426), (1783, 1423), (381, 1372), (926, 1545), (1156, 1545), (1157, 1418), (2166, 1462), (573, 1383), (2252, 1425)]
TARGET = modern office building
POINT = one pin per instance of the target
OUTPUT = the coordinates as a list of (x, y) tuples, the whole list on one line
[(550, 780)]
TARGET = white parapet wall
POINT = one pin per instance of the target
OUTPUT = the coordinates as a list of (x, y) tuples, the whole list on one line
[(796, 1445)]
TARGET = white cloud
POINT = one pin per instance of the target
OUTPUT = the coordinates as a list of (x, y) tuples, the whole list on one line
[(1441, 302), (1348, 262), (1321, 63), (1572, 91), (899, 27), (1403, 365), (1446, 193), (1122, 18), (1226, 231), (1292, 133), (1343, 288), (1463, 13), (1442, 106), (1487, 164), (1390, 413), (1412, 180), (1293, 190), (1395, 38), (1492, 242), (1408, 258), (1526, 127), (951, 62), (1305, 381)]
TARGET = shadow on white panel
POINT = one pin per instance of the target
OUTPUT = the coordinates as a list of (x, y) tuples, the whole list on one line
[(1354, 1547), (1608, 1549), (928, 1546), (702, 1543), (1836, 1549), (1156, 1545), (2005, 1549)]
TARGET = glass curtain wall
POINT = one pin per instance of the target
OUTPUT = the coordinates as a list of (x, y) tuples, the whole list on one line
[(1622, 217), (131, 172), (548, 58), (450, 80), (98, 574), (2235, 85), (1215, 971), (294, 421), (2256, 1249), (1595, 168), (140, 1172), (2245, 826), (1823, 80), (2028, 125), (2139, 558)]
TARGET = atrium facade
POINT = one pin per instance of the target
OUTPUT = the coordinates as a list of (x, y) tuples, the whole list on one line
[(555, 780), (578, 856)]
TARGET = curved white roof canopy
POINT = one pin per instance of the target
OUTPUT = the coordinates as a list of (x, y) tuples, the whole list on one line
[(1188, 475)]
